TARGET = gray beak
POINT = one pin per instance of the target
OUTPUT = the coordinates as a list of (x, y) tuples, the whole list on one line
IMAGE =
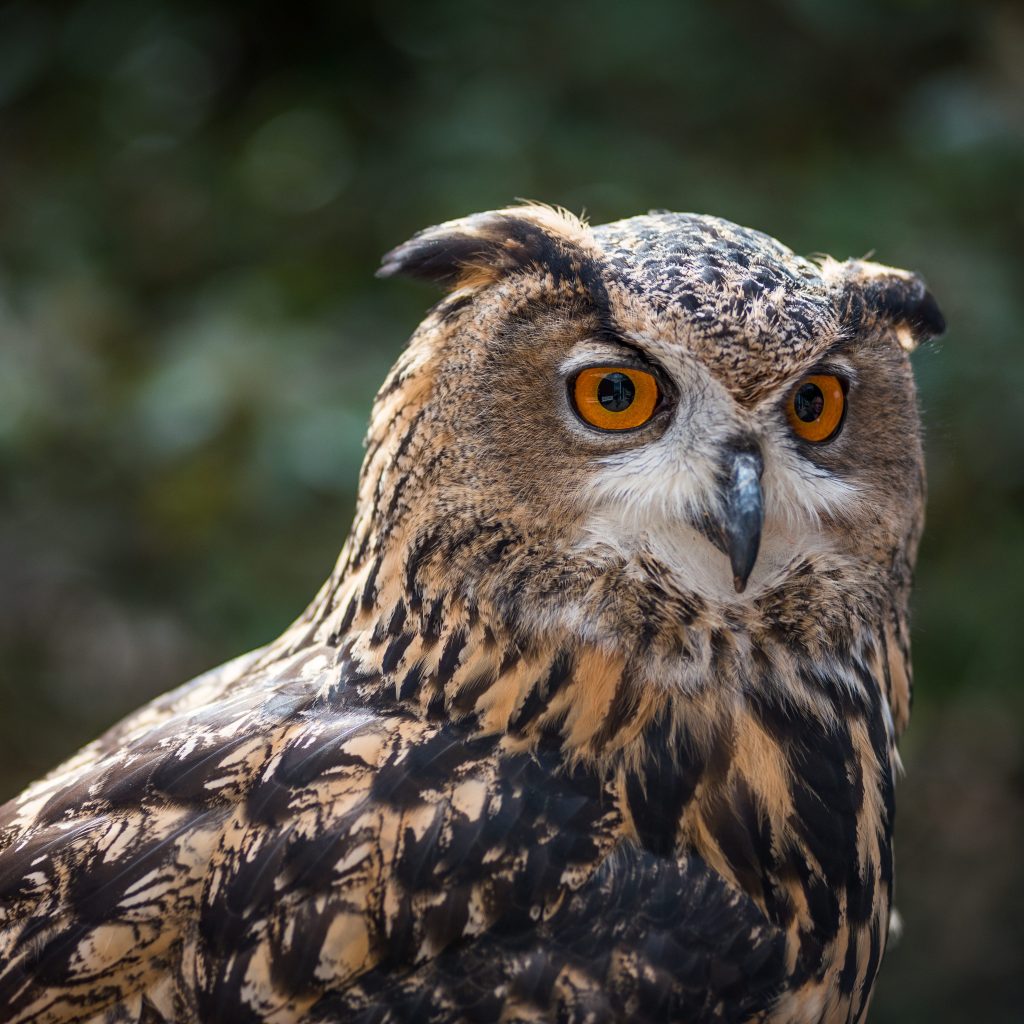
[(743, 513)]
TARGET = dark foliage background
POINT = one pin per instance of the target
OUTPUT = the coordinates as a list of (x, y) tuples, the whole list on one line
[(194, 196)]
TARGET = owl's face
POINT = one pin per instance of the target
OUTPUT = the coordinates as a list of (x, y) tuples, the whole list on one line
[(676, 389)]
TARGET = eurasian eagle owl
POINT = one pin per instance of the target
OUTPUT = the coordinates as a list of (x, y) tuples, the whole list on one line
[(595, 718)]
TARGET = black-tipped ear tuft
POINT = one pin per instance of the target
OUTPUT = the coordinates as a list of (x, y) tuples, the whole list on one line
[(477, 250), (871, 291), (440, 254), (907, 302)]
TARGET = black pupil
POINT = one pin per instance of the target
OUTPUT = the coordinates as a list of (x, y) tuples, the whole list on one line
[(809, 403), (616, 392)]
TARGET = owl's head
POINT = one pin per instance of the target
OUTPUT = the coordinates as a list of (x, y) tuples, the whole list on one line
[(670, 391)]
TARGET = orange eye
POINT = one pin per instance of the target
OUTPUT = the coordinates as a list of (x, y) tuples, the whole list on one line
[(615, 397), (816, 407)]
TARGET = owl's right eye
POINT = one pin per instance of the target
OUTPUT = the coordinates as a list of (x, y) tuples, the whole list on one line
[(615, 397)]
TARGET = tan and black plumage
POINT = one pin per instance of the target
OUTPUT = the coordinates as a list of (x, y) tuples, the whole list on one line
[(588, 723)]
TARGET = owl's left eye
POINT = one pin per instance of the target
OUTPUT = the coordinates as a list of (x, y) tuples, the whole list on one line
[(615, 397), (816, 407)]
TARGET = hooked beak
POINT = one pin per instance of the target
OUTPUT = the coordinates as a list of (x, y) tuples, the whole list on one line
[(743, 513)]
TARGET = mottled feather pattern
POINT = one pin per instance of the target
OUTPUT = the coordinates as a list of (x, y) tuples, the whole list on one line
[(502, 769)]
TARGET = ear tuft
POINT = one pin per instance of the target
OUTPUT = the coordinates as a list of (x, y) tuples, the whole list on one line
[(444, 253), (871, 291), (477, 250)]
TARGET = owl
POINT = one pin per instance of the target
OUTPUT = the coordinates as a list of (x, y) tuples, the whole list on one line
[(594, 720)]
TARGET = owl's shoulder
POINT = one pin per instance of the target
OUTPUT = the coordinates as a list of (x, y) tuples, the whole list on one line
[(262, 814)]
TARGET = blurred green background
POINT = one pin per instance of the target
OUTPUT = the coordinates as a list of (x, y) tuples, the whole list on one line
[(194, 197)]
